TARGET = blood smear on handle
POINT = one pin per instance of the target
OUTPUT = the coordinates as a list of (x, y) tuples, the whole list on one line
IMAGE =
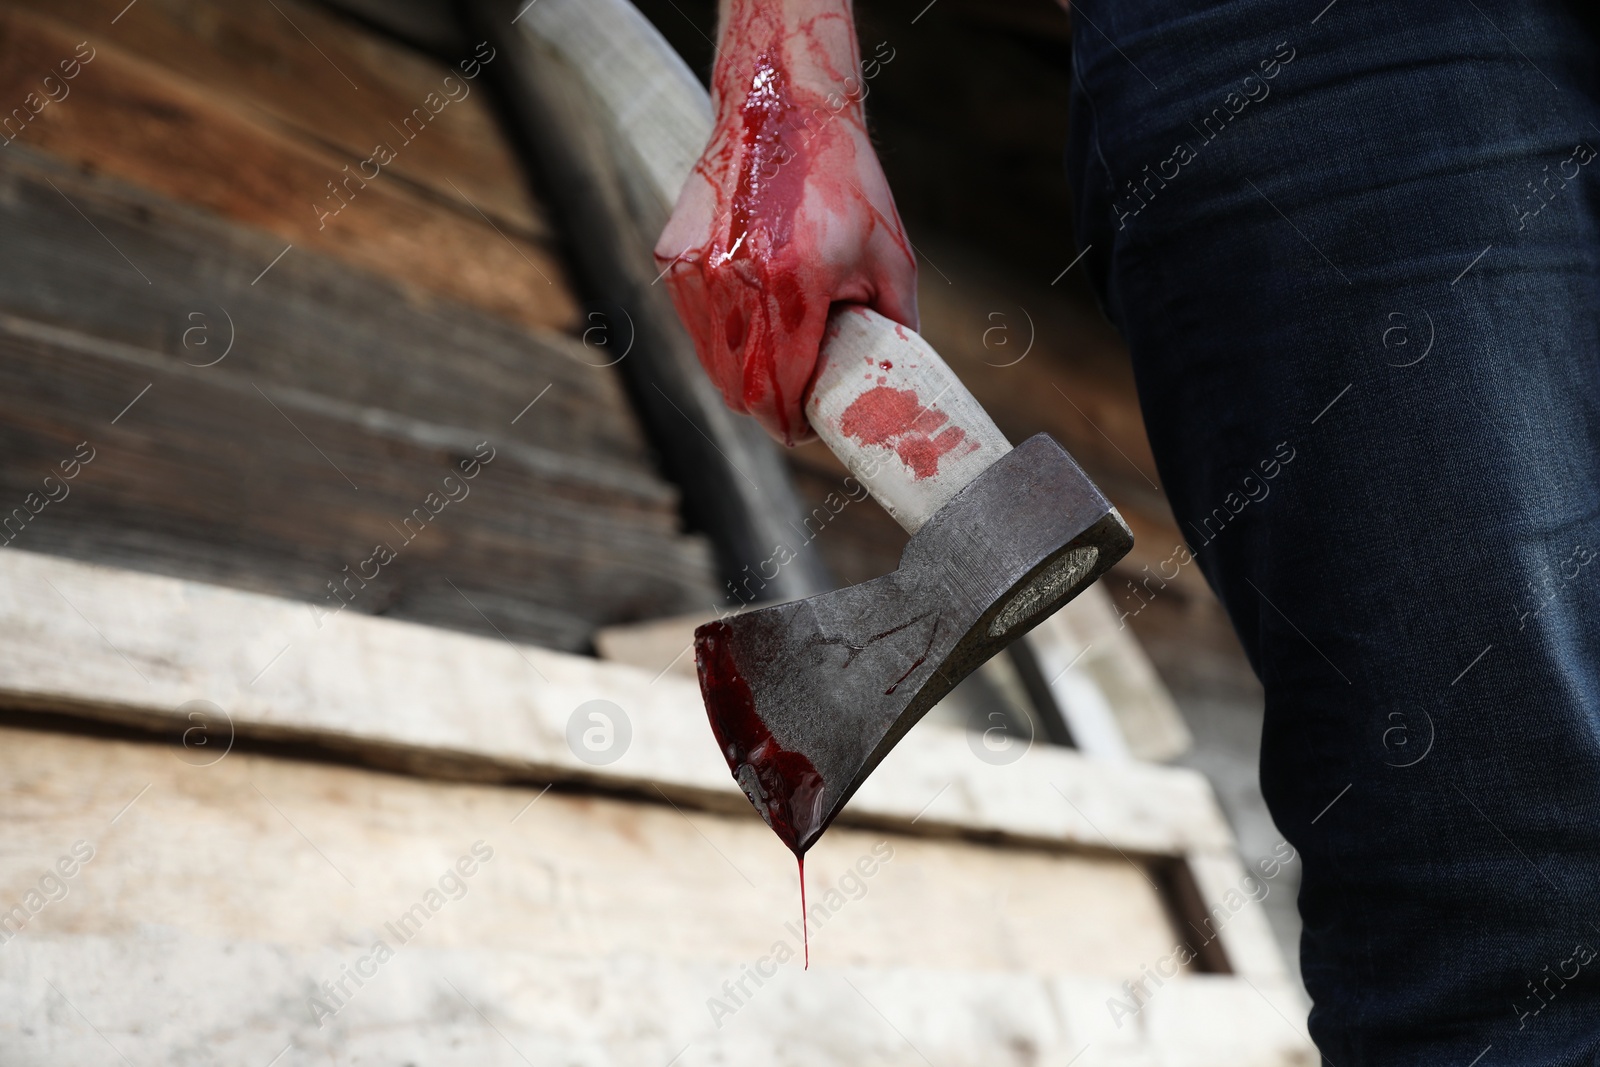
[(895, 418)]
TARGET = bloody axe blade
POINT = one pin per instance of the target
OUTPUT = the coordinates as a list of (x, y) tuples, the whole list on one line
[(807, 698)]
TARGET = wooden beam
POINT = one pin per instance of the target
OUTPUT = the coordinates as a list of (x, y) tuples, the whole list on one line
[(193, 283), (428, 25), (461, 705), (212, 475), (340, 91), (136, 120), (105, 645), (218, 898)]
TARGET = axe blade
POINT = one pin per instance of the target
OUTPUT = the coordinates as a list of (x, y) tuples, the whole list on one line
[(807, 698)]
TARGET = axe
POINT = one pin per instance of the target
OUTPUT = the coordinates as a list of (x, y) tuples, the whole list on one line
[(807, 698)]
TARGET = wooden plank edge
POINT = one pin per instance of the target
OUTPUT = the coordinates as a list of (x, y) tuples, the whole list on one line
[(557, 466), (114, 645)]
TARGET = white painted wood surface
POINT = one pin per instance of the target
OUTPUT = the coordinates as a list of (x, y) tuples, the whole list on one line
[(123, 646), (660, 113), (1077, 696), (586, 930), (1104, 684), (181, 956)]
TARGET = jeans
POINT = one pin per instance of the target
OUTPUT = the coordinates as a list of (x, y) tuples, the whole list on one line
[(1356, 257)]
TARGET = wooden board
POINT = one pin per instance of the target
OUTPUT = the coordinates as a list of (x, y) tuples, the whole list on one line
[(192, 284), (133, 649), (204, 478), (589, 930), (136, 119), (276, 488), (1087, 659), (1048, 834), (429, 25), (455, 704), (283, 64)]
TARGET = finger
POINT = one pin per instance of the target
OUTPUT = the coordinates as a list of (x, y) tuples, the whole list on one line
[(896, 298), (894, 282), (692, 222), (785, 333), (696, 304), (688, 229)]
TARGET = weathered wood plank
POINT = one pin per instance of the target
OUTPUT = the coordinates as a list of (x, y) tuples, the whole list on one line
[(1085, 645), (191, 283), (302, 69), (1092, 914), (429, 25), (133, 119), (588, 930), (273, 488), (456, 704)]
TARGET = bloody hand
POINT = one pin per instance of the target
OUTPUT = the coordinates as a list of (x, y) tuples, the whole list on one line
[(787, 212)]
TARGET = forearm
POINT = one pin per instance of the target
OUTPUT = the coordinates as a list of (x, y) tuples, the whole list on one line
[(787, 213), (794, 55)]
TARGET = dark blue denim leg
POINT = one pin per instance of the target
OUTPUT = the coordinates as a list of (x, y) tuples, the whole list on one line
[(1356, 256)]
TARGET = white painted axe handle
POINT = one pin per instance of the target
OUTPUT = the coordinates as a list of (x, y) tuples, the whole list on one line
[(897, 416), (883, 401)]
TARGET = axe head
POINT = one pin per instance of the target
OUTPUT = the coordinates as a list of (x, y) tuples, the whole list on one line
[(807, 698)]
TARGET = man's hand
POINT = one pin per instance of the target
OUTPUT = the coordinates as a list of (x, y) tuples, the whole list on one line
[(787, 211)]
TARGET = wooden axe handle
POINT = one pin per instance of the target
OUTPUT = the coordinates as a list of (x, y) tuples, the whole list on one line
[(897, 416), (882, 400)]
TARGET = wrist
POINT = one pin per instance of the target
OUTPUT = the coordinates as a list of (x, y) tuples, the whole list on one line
[(810, 45)]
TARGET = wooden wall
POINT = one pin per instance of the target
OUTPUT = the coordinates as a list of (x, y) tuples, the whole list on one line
[(963, 912), (175, 204)]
